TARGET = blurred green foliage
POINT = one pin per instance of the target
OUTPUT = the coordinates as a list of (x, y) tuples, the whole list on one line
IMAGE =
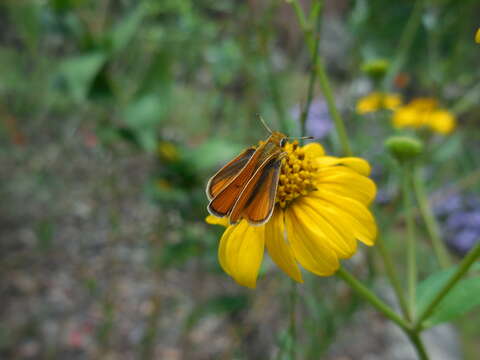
[(183, 81)]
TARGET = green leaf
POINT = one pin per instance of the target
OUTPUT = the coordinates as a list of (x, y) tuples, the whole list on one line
[(147, 139), (79, 72), (144, 112), (158, 78), (213, 154), (123, 32), (464, 296), (449, 148)]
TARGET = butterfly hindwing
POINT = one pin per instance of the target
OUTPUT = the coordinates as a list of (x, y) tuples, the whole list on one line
[(257, 200)]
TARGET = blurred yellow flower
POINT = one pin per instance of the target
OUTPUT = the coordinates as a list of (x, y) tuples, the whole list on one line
[(321, 211), (378, 101), (442, 122), (424, 112), (477, 36), (167, 151)]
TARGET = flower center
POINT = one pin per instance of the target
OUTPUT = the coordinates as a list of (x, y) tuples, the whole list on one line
[(297, 176)]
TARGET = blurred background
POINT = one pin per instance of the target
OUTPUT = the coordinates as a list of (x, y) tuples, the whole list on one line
[(114, 114)]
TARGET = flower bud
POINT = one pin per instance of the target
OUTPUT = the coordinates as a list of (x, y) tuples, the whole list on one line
[(376, 69), (404, 148)]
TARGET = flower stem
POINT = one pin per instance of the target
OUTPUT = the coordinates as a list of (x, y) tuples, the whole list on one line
[(430, 221), (321, 73), (332, 108), (293, 327), (392, 275), (463, 267), (371, 298), (311, 87), (411, 244), (418, 344), (405, 42)]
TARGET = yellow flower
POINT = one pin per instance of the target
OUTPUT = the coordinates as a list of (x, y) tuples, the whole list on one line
[(425, 104), (167, 151), (378, 101), (407, 116), (442, 122), (424, 112), (321, 211), (477, 36)]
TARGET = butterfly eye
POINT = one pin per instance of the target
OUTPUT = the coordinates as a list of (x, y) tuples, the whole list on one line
[(283, 142)]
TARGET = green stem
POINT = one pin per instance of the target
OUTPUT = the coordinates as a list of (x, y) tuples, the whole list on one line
[(392, 275), (430, 221), (311, 85), (293, 327), (463, 267), (411, 248), (418, 344), (371, 298), (405, 42), (322, 78), (299, 13), (332, 108)]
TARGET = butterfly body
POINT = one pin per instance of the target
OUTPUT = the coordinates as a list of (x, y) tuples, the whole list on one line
[(245, 187)]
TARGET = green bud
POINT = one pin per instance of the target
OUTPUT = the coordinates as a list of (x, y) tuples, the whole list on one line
[(404, 148), (376, 69)]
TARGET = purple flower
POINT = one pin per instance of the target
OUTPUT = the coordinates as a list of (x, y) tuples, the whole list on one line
[(452, 204), (463, 241), (318, 123), (460, 220)]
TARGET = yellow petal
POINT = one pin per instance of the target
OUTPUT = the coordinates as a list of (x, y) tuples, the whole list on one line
[(442, 122), (279, 249), (326, 161), (314, 149), (361, 166), (392, 101), (241, 252), (310, 212), (369, 103), (310, 253), (222, 250), (355, 214), (346, 182), (477, 36), (210, 219)]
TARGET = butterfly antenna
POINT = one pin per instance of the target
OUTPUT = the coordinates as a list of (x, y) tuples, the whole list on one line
[(264, 123), (302, 138)]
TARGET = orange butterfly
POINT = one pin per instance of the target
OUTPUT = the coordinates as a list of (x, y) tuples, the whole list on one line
[(245, 188)]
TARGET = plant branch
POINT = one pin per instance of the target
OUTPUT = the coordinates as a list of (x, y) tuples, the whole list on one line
[(369, 296), (392, 275), (411, 243)]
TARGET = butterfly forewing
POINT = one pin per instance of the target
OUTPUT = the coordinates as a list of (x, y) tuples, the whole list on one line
[(257, 200), (227, 173), (223, 202)]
